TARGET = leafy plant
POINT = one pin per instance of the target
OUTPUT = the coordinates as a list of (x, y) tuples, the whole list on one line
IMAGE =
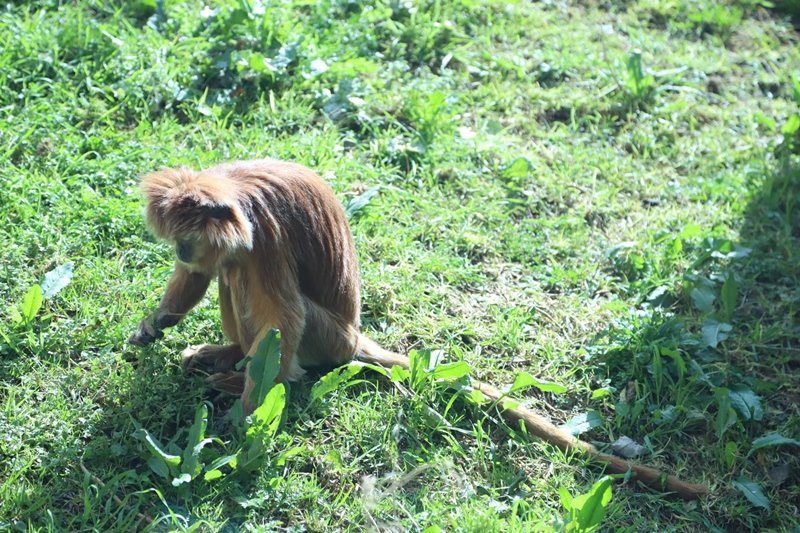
[(255, 436), (752, 491), (585, 512), (261, 427), (640, 86), (54, 281), (430, 115), (791, 128), (716, 19), (24, 313), (182, 467)]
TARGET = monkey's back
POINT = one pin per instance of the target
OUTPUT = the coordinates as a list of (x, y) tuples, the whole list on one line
[(298, 212)]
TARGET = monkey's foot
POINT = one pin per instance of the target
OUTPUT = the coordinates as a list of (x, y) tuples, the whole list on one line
[(228, 382), (211, 358)]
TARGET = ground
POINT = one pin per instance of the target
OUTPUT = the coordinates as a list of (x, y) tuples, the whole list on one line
[(601, 194)]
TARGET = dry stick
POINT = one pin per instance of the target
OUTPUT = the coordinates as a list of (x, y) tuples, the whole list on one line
[(546, 430), (541, 427), (114, 497)]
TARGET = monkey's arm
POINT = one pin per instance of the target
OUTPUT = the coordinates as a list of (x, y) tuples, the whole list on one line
[(184, 290)]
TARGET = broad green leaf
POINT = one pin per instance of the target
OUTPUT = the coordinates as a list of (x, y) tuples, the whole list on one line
[(264, 366), (267, 416), (31, 303), (16, 318), (222, 461), (752, 491), (158, 466), (746, 403), (772, 439), (519, 168), (475, 396), (285, 455), (419, 362), (57, 279), (602, 392), (524, 380), (792, 125), (356, 204), (155, 447), (451, 371), (731, 448), (340, 377), (703, 298), (249, 457), (399, 374), (729, 290), (197, 433), (583, 423), (375, 368), (726, 415), (236, 413), (766, 121), (591, 507), (211, 475), (260, 64), (566, 498), (432, 529), (715, 332), (690, 231), (213, 470), (510, 403)]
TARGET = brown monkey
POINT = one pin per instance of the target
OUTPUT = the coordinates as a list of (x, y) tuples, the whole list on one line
[(278, 240)]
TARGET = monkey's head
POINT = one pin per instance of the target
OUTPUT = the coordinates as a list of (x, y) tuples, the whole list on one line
[(197, 212)]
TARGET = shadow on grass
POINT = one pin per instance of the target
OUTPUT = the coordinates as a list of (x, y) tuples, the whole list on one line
[(700, 405), (770, 302)]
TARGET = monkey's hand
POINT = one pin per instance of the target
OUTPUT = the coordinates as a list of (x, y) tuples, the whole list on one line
[(151, 328), (147, 332)]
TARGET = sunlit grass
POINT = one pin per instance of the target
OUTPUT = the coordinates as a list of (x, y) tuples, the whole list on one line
[(548, 203)]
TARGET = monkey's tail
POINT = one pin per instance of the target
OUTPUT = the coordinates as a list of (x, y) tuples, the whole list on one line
[(370, 352)]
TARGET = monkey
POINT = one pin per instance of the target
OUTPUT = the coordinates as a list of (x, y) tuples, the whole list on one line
[(277, 239)]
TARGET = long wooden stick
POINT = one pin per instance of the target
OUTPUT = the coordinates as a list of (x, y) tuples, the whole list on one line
[(541, 427)]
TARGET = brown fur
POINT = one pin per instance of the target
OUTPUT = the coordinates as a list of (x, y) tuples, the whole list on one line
[(277, 238)]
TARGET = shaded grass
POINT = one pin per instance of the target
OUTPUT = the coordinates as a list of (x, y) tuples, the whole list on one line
[(512, 266)]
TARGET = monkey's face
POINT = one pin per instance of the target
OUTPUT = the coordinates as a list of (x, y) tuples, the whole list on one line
[(196, 252), (186, 250)]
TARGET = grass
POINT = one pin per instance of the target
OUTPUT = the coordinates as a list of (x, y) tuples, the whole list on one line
[(600, 195)]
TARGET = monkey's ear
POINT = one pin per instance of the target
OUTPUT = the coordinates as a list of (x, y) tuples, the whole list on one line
[(226, 226)]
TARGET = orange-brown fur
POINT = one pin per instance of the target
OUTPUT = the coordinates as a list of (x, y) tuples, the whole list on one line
[(277, 238)]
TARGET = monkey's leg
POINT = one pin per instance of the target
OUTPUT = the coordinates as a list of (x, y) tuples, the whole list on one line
[(184, 290), (290, 370), (328, 340), (211, 357)]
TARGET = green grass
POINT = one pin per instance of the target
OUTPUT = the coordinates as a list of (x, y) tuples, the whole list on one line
[(546, 205)]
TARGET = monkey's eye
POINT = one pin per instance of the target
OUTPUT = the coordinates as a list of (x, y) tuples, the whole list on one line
[(185, 251)]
